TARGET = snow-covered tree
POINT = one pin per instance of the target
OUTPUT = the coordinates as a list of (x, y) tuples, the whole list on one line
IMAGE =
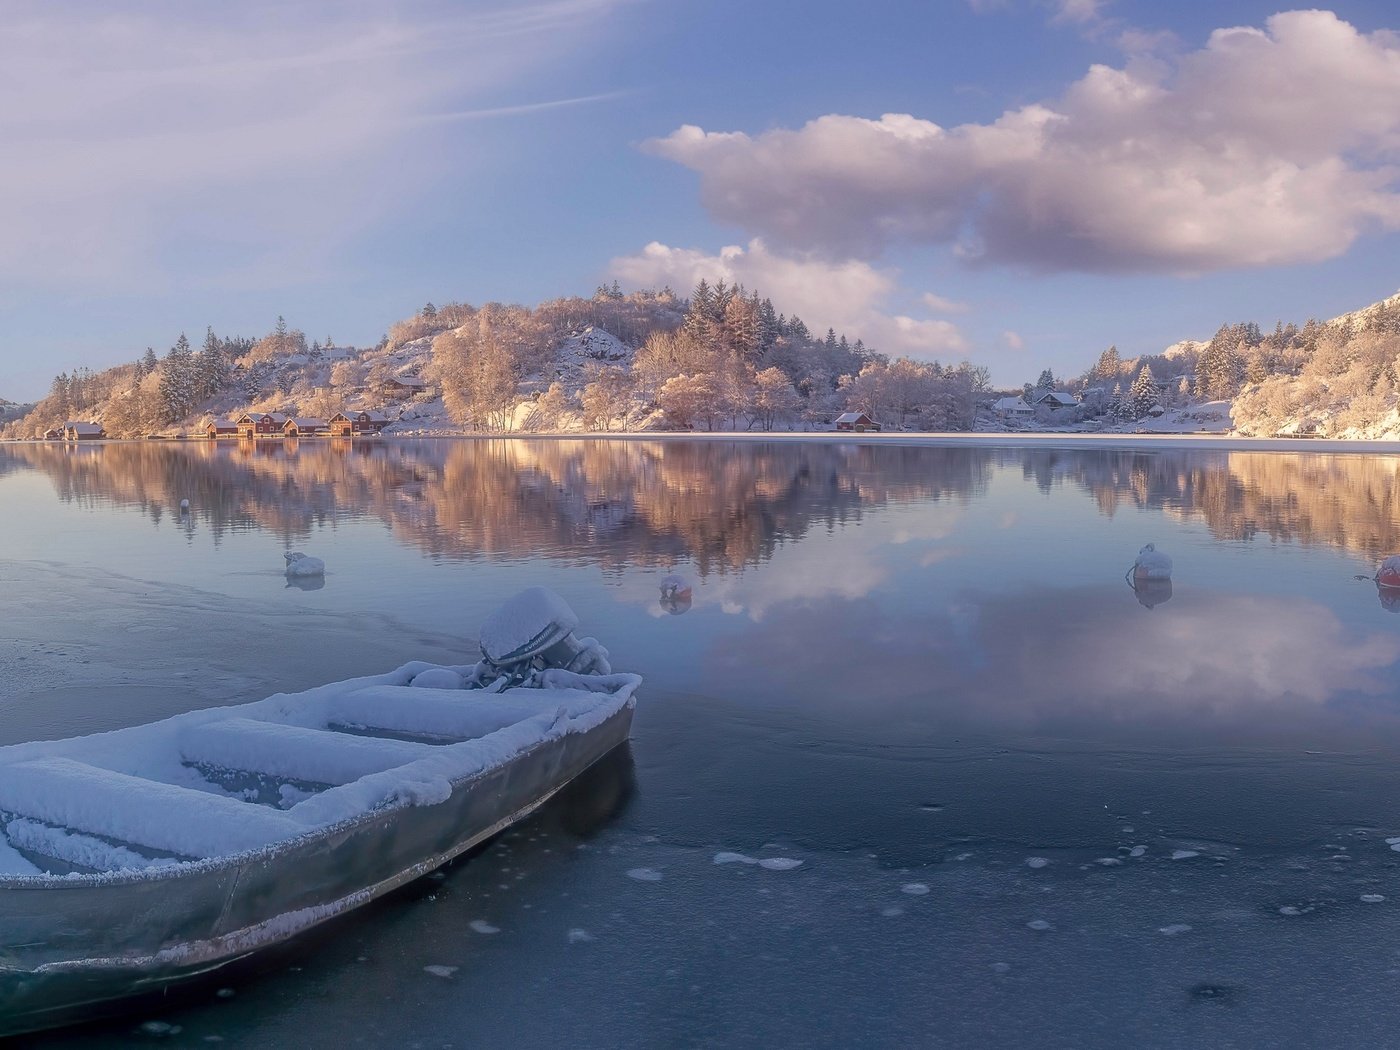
[(1143, 394)]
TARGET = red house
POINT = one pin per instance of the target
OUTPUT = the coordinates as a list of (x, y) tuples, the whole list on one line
[(265, 424), (343, 425)]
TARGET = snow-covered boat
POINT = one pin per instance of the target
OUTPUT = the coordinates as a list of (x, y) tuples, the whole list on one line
[(134, 859)]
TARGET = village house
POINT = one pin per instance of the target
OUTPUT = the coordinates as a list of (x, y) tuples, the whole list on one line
[(857, 421), (221, 428), (404, 386), (1056, 399), (304, 426), (343, 425), (264, 424), (73, 430), (51, 434), (1012, 408)]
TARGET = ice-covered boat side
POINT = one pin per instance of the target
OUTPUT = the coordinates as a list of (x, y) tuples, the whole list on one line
[(133, 859)]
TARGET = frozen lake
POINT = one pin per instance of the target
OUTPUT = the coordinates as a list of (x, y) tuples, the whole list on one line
[(1030, 805)]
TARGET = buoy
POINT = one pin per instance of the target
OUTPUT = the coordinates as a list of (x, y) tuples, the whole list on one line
[(1152, 564), (184, 504), (674, 586), (676, 594), (1388, 575), (299, 564)]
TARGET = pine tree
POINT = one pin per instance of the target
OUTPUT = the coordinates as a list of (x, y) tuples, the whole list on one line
[(700, 314), (177, 381), (1108, 366), (211, 370), (1143, 395), (1046, 381)]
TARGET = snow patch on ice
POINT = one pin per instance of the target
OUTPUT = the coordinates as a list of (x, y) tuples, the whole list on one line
[(1373, 898), (440, 971), (1040, 925), (644, 874), (1036, 862), (733, 858), (1175, 928), (779, 863), (578, 935), (482, 926), (914, 889), (1185, 854)]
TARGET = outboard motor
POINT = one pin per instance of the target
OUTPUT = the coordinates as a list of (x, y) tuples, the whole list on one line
[(534, 631)]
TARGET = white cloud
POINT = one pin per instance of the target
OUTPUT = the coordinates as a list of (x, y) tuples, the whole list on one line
[(939, 304), (1080, 12), (251, 137), (1013, 340), (848, 296), (1265, 147)]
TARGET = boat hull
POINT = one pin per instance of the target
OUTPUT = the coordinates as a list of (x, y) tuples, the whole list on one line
[(71, 949)]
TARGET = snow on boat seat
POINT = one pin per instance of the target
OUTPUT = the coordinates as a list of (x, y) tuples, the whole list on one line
[(456, 713), (143, 812), (290, 751)]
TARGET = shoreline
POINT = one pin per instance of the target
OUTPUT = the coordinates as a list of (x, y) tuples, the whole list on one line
[(1054, 439)]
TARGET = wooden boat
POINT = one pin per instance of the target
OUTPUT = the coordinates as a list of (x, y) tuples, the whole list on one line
[(138, 858)]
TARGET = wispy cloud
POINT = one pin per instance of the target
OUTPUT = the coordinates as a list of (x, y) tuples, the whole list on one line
[(253, 137), (523, 109)]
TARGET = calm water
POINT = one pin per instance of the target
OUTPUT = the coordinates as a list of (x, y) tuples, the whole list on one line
[(1030, 802)]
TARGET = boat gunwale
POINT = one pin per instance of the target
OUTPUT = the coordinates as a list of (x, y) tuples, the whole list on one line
[(206, 865)]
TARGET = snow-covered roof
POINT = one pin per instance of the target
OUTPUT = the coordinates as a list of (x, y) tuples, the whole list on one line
[(1011, 404), (1057, 397), (83, 428), (851, 417), (307, 422)]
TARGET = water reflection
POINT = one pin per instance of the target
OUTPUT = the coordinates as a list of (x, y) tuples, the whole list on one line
[(617, 503), (1347, 501), (1068, 660), (1152, 593)]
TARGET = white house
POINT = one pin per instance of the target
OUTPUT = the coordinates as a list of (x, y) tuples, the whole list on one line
[(1056, 399), (1012, 408)]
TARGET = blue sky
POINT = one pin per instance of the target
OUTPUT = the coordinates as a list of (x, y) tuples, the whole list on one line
[(1053, 175)]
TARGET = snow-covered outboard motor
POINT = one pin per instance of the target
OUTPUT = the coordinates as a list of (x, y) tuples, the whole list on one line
[(534, 631)]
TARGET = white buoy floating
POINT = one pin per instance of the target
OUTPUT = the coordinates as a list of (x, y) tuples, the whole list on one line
[(299, 564), (1152, 564), (184, 506)]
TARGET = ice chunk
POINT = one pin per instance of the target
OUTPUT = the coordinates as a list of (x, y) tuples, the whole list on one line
[(644, 874), (779, 863), (914, 889), (482, 926), (440, 971)]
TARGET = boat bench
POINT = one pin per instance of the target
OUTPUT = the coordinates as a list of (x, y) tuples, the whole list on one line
[(316, 755), (449, 713), (142, 812)]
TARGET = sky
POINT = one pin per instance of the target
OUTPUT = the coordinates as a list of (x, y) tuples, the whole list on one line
[(1018, 183)]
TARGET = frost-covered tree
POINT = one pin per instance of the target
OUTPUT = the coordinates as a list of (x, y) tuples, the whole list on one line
[(1143, 394), (178, 387), (775, 398), (607, 398)]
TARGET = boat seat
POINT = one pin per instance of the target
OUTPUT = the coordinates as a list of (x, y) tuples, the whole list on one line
[(454, 713), (278, 750), (143, 812)]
